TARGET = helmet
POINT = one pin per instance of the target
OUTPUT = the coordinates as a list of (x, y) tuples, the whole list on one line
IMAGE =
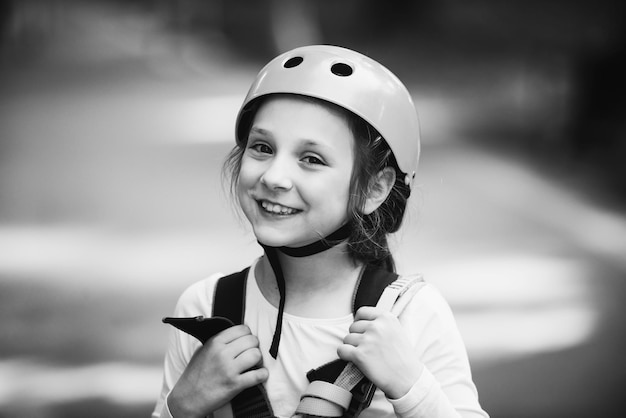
[(352, 81)]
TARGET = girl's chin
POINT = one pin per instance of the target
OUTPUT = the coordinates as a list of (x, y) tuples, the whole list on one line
[(280, 243), (286, 236), (273, 240)]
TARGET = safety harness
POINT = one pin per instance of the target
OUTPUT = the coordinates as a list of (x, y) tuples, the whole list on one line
[(338, 388)]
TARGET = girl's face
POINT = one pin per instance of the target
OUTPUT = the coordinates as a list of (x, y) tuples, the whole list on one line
[(295, 172)]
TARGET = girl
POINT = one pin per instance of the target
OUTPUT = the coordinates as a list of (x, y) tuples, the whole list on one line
[(326, 153)]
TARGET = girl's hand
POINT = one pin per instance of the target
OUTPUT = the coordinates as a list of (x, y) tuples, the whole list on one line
[(217, 372), (378, 346)]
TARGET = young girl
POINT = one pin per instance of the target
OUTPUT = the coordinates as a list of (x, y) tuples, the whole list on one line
[(326, 154)]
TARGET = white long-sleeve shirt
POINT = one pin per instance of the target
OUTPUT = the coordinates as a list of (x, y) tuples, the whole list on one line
[(444, 389)]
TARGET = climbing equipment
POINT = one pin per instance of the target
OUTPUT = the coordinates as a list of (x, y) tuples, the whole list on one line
[(338, 388)]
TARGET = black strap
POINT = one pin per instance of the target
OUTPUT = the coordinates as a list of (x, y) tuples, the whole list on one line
[(200, 327), (228, 310), (371, 286), (272, 257), (229, 299), (323, 244), (341, 234)]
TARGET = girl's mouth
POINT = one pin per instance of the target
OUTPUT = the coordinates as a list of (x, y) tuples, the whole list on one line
[(276, 209)]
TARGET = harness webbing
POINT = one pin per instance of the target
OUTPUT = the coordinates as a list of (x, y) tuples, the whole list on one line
[(329, 400), (229, 299), (229, 309), (369, 289)]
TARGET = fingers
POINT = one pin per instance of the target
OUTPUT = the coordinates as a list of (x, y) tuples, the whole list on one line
[(353, 339), (244, 349), (248, 359), (359, 327), (369, 313), (241, 344), (253, 377), (231, 334), (370, 326), (347, 352), (366, 318), (240, 348)]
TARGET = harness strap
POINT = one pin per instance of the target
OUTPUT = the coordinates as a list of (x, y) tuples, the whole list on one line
[(370, 286), (337, 400), (228, 310), (323, 403), (229, 298)]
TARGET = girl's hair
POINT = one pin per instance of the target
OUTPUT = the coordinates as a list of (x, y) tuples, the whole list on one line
[(368, 239)]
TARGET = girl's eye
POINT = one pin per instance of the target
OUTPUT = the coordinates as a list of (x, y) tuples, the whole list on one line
[(311, 159), (261, 148)]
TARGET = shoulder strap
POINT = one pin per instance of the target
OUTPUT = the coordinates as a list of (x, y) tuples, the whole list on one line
[(339, 388), (371, 286), (339, 377), (229, 301), (229, 298), (390, 299), (228, 310)]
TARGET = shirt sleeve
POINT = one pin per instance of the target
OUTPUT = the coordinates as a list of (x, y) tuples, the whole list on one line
[(164, 408), (445, 387), (196, 300)]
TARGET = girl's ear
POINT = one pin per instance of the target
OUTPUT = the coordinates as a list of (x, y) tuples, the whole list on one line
[(379, 188)]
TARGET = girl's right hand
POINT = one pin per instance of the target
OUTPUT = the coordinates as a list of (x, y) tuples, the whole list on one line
[(218, 371)]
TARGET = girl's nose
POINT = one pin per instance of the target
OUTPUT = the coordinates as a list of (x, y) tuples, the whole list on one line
[(277, 176)]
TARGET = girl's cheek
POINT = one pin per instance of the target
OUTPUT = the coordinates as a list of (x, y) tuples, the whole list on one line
[(248, 170), (241, 191), (244, 176)]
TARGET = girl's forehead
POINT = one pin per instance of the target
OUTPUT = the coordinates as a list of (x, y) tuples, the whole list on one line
[(302, 103), (310, 120)]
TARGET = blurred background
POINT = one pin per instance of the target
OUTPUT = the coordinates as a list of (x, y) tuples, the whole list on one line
[(115, 117)]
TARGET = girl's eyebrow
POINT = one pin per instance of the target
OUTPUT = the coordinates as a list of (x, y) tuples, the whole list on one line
[(312, 143), (260, 131)]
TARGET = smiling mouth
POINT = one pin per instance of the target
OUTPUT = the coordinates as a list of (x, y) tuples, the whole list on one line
[(276, 209)]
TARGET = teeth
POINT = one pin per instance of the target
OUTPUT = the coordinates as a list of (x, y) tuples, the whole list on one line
[(277, 209)]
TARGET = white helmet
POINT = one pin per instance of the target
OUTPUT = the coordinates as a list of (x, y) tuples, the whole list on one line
[(352, 81)]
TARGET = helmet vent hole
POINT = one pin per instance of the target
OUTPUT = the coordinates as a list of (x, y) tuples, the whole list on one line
[(293, 62), (341, 69)]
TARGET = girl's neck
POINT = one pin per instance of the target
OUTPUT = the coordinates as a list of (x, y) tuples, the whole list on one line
[(325, 280)]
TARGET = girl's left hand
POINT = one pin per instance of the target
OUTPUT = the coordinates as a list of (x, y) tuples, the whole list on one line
[(378, 346)]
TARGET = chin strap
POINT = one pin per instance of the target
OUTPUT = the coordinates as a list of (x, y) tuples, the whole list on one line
[(341, 234), (323, 244), (272, 257)]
